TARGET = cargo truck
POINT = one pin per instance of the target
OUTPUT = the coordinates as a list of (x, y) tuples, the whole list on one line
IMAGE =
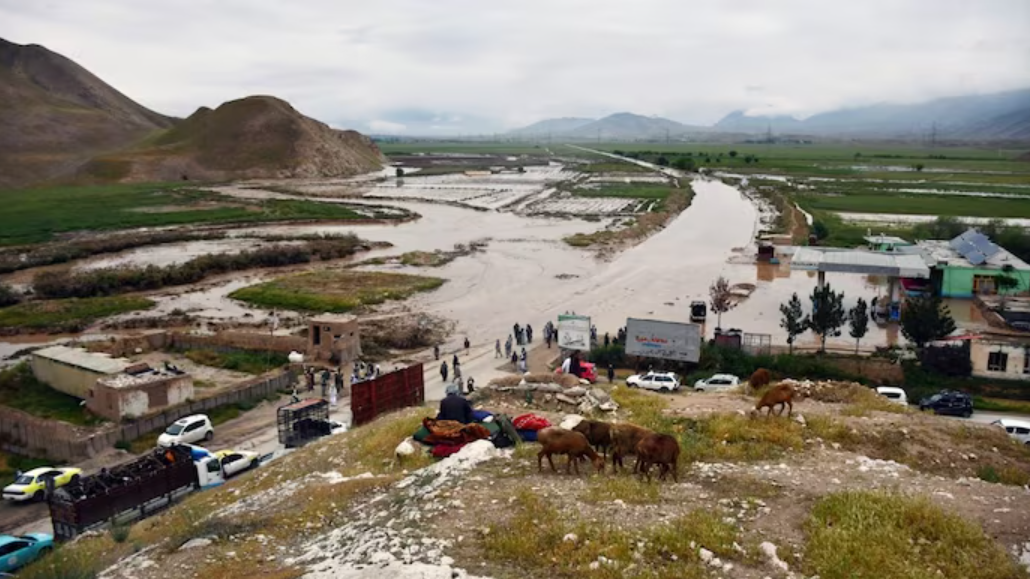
[(132, 491)]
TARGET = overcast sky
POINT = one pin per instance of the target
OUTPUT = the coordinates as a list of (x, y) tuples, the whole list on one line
[(457, 66)]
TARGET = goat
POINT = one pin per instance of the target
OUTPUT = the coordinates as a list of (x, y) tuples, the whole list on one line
[(660, 449), (554, 440), (625, 438), (782, 395), (759, 379), (599, 434)]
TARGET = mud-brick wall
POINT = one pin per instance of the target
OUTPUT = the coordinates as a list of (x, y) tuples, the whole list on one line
[(28, 435), (239, 341)]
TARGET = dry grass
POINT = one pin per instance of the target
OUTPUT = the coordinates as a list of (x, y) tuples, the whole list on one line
[(869, 535)]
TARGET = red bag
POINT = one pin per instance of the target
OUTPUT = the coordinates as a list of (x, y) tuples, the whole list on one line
[(442, 450), (530, 422)]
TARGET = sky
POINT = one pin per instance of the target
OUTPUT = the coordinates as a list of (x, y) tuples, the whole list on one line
[(460, 67)]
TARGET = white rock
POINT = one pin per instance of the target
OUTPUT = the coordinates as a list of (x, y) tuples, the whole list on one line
[(770, 552), (705, 555), (570, 537), (405, 448), (196, 543)]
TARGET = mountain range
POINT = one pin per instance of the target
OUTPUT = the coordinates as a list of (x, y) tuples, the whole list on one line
[(61, 123), (993, 117)]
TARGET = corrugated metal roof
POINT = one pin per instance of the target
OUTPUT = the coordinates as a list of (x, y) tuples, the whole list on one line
[(861, 262), (888, 239), (82, 359)]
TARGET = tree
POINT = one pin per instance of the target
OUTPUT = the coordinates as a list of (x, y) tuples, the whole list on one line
[(683, 164), (662, 161), (858, 322), (918, 167), (820, 230), (827, 313), (793, 319), (1006, 282), (8, 297), (733, 154), (926, 319), (722, 299), (399, 172)]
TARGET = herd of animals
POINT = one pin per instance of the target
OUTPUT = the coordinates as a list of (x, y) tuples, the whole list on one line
[(651, 448)]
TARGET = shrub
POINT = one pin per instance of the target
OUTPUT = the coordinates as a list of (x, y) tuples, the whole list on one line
[(120, 533), (8, 297)]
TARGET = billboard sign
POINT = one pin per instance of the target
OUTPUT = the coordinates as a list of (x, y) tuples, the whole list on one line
[(666, 340), (574, 332)]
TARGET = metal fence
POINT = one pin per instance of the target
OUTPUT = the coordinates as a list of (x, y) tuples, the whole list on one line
[(398, 389), (757, 344)]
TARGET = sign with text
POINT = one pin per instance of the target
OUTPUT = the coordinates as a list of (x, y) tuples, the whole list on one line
[(666, 340), (574, 332)]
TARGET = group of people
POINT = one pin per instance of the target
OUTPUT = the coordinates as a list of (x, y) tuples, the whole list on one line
[(522, 335), (620, 338), (457, 378)]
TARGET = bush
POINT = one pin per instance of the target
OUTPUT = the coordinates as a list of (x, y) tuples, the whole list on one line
[(120, 533), (614, 354), (8, 297), (947, 360)]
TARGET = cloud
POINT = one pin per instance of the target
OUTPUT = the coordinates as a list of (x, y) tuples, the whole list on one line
[(378, 126), (483, 66)]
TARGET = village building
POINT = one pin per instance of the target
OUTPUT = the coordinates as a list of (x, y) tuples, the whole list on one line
[(73, 371), (334, 339), (1000, 358), (971, 265), (137, 392)]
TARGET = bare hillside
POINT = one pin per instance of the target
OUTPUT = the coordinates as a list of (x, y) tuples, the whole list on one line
[(55, 115), (253, 137)]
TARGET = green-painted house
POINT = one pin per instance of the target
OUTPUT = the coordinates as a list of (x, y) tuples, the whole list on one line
[(972, 265)]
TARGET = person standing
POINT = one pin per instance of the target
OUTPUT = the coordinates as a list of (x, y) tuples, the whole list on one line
[(325, 381), (547, 338), (310, 375), (377, 371), (507, 347), (529, 333), (338, 381), (436, 351), (454, 362), (497, 348), (457, 371), (471, 385), (607, 340), (514, 361), (518, 334), (611, 371), (443, 370), (467, 345)]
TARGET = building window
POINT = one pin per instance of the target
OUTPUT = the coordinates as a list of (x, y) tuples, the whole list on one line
[(997, 361), (984, 285)]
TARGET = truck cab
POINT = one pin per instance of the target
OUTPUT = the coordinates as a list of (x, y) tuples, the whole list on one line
[(209, 468)]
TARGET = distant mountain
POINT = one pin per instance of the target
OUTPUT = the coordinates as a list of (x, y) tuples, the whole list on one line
[(996, 116), (558, 126), (55, 115), (619, 126), (250, 138)]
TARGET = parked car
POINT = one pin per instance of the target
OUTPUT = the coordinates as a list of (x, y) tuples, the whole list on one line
[(1017, 429), (716, 383), (588, 371), (32, 485), (16, 552), (661, 381), (190, 429), (893, 393), (237, 461), (948, 402)]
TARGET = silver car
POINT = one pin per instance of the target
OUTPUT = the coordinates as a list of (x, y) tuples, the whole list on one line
[(1017, 429)]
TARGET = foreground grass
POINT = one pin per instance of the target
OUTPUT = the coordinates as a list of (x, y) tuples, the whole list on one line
[(67, 315), (860, 535), (37, 215), (239, 360), (335, 291), (20, 389), (535, 541)]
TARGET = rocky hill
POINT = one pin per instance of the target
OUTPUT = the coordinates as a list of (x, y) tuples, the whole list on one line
[(249, 138), (55, 115)]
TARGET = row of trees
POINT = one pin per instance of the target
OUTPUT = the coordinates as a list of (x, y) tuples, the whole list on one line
[(925, 319)]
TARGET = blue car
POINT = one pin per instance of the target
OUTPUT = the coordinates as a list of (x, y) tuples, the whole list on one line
[(16, 552)]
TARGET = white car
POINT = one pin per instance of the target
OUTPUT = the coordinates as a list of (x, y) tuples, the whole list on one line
[(188, 430), (661, 381), (1017, 429), (237, 461), (717, 383), (893, 394)]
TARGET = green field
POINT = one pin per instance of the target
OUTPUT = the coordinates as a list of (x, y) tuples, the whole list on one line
[(70, 315), (38, 215), (920, 205), (334, 291)]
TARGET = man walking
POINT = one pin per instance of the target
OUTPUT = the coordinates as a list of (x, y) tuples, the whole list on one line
[(529, 333), (443, 370), (514, 361), (611, 372), (436, 351), (467, 345), (497, 348)]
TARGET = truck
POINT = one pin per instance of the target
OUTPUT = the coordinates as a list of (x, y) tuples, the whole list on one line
[(303, 421), (132, 491)]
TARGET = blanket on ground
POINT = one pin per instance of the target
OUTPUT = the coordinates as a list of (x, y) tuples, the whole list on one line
[(453, 432)]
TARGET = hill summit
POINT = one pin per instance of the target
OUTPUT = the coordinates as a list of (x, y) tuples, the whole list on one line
[(253, 137)]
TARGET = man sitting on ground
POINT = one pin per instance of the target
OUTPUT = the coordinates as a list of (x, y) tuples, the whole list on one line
[(455, 407)]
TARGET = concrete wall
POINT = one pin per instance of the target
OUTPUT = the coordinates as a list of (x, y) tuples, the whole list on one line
[(1015, 369), (132, 401), (957, 282), (64, 377)]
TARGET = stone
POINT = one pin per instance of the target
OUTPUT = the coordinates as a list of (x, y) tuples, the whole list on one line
[(576, 391), (197, 543), (565, 399), (553, 388), (600, 395), (570, 537)]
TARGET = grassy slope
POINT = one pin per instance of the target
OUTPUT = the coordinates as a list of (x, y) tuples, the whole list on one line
[(37, 215), (334, 291)]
